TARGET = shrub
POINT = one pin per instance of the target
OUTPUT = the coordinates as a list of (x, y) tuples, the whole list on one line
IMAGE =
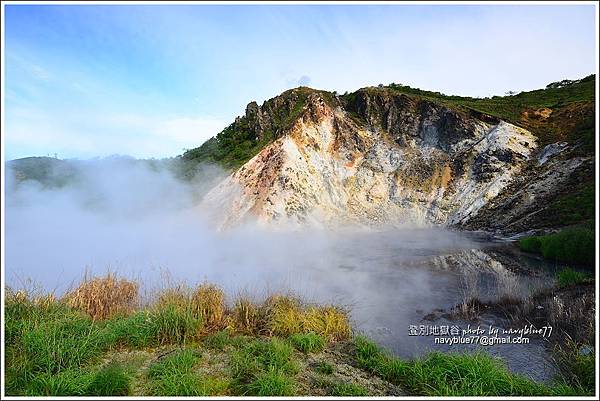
[(309, 342), (530, 244), (103, 297)]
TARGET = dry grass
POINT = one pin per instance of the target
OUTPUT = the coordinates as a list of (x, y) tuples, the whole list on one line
[(208, 303), (286, 316), (201, 310), (246, 317), (328, 321), (177, 297), (103, 297), (283, 315)]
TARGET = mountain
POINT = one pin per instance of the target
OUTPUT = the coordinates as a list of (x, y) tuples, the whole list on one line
[(396, 155)]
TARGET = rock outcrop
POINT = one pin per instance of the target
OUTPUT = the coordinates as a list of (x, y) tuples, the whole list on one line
[(378, 159)]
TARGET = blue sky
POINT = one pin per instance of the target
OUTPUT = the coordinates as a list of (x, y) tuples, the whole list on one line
[(151, 81)]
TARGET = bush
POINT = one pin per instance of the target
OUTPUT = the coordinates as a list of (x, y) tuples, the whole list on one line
[(531, 244)]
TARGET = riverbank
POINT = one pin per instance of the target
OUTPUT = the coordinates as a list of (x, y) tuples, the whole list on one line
[(99, 340)]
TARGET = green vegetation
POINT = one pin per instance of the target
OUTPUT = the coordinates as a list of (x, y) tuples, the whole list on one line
[(576, 245), (577, 363), (54, 349), (571, 104), (307, 343), (575, 207), (113, 379), (271, 383), (568, 277), (452, 374), (173, 375), (264, 367), (324, 368)]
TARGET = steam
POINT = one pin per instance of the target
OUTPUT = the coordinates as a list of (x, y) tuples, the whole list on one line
[(139, 219)]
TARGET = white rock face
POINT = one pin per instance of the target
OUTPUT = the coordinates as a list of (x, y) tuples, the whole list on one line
[(327, 170)]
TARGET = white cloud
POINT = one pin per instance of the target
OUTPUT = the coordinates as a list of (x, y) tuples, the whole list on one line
[(87, 135)]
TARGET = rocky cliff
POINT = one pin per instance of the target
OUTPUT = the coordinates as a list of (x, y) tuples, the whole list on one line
[(380, 157)]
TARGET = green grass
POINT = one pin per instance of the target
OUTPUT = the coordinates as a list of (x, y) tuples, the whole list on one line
[(324, 368), (349, 390), (574, 208), (308, 343), (451, 374), (262, 365), (575, 245), (113, 379), (65, 383), (578, 366), (173, 375), (218, 340), (568, 277), (271, 383)]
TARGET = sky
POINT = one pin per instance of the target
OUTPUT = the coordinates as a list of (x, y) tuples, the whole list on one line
[(84, 81)]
